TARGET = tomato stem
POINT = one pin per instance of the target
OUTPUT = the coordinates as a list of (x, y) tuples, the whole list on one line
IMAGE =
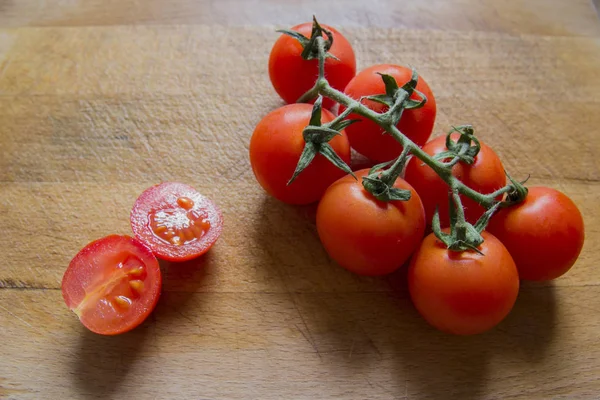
[(322, 54), (398, 99), (316, 138), (390, 175), (457, 216), (381, 184), (441, 168), (321, 81)]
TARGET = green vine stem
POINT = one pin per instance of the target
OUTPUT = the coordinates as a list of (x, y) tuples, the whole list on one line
[(321, 82), (382, 185), (486, 200), (464, 235), (442, 169)]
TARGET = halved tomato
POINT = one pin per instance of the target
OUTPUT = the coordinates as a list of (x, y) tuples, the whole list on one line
[(175, 221), (112, 284)]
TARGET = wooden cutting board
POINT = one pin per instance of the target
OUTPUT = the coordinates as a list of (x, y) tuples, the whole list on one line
[(103, 98)]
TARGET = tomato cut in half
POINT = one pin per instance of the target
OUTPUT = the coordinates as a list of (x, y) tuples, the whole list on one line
[(112, 284), (175, 221)]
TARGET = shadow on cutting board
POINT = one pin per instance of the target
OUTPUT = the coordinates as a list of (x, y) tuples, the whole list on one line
[(366, 327), (103, 362), (182, 281), (441, 366)]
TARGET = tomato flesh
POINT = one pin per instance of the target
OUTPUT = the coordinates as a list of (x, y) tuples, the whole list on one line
[(175, 221), (112, 284)]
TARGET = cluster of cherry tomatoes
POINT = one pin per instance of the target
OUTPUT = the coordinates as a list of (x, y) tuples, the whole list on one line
[(464, 292), (114, 283)]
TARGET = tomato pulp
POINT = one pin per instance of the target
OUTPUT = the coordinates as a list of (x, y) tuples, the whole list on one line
[(175, 221), (112, 284)]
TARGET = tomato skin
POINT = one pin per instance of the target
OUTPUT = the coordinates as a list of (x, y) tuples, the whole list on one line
[(292, 76), (485, 175), (366, 136), (94, 266), (365, 235), (164, 196), (463, 293), (544, 234), (276, 146)]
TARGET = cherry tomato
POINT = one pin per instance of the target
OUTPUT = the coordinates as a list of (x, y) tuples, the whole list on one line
[(544, 234), (112, 284), (485, 175), (463, 293), (366, 136), (365, 235), (175, 221), (292, 76), (276, 146)]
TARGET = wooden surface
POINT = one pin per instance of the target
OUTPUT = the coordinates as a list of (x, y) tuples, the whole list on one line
[(102, 98)]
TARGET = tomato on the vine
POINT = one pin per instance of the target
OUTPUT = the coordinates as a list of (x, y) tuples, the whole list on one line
[(365, 235), (175, 221), (485, 176), (466, 292), (544, 233), (112, 284), (366, 136), (292, 75), (276, 146)]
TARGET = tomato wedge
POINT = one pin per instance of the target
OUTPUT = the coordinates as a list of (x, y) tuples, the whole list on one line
[(112, 284), (175, 221)]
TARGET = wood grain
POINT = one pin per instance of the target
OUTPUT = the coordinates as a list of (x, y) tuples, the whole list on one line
[(543, 17), (99, 100), (302, 346)]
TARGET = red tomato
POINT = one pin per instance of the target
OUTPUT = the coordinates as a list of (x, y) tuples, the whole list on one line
[(485, 175), (544, 234), (292, 76), (365, 235), (463, 293), (366, 136), (112, 284), (276, 146), (175, 221)]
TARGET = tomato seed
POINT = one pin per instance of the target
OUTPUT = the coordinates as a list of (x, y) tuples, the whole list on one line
[(137, 286), (137, 271), (185, 202), (122, 302)]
